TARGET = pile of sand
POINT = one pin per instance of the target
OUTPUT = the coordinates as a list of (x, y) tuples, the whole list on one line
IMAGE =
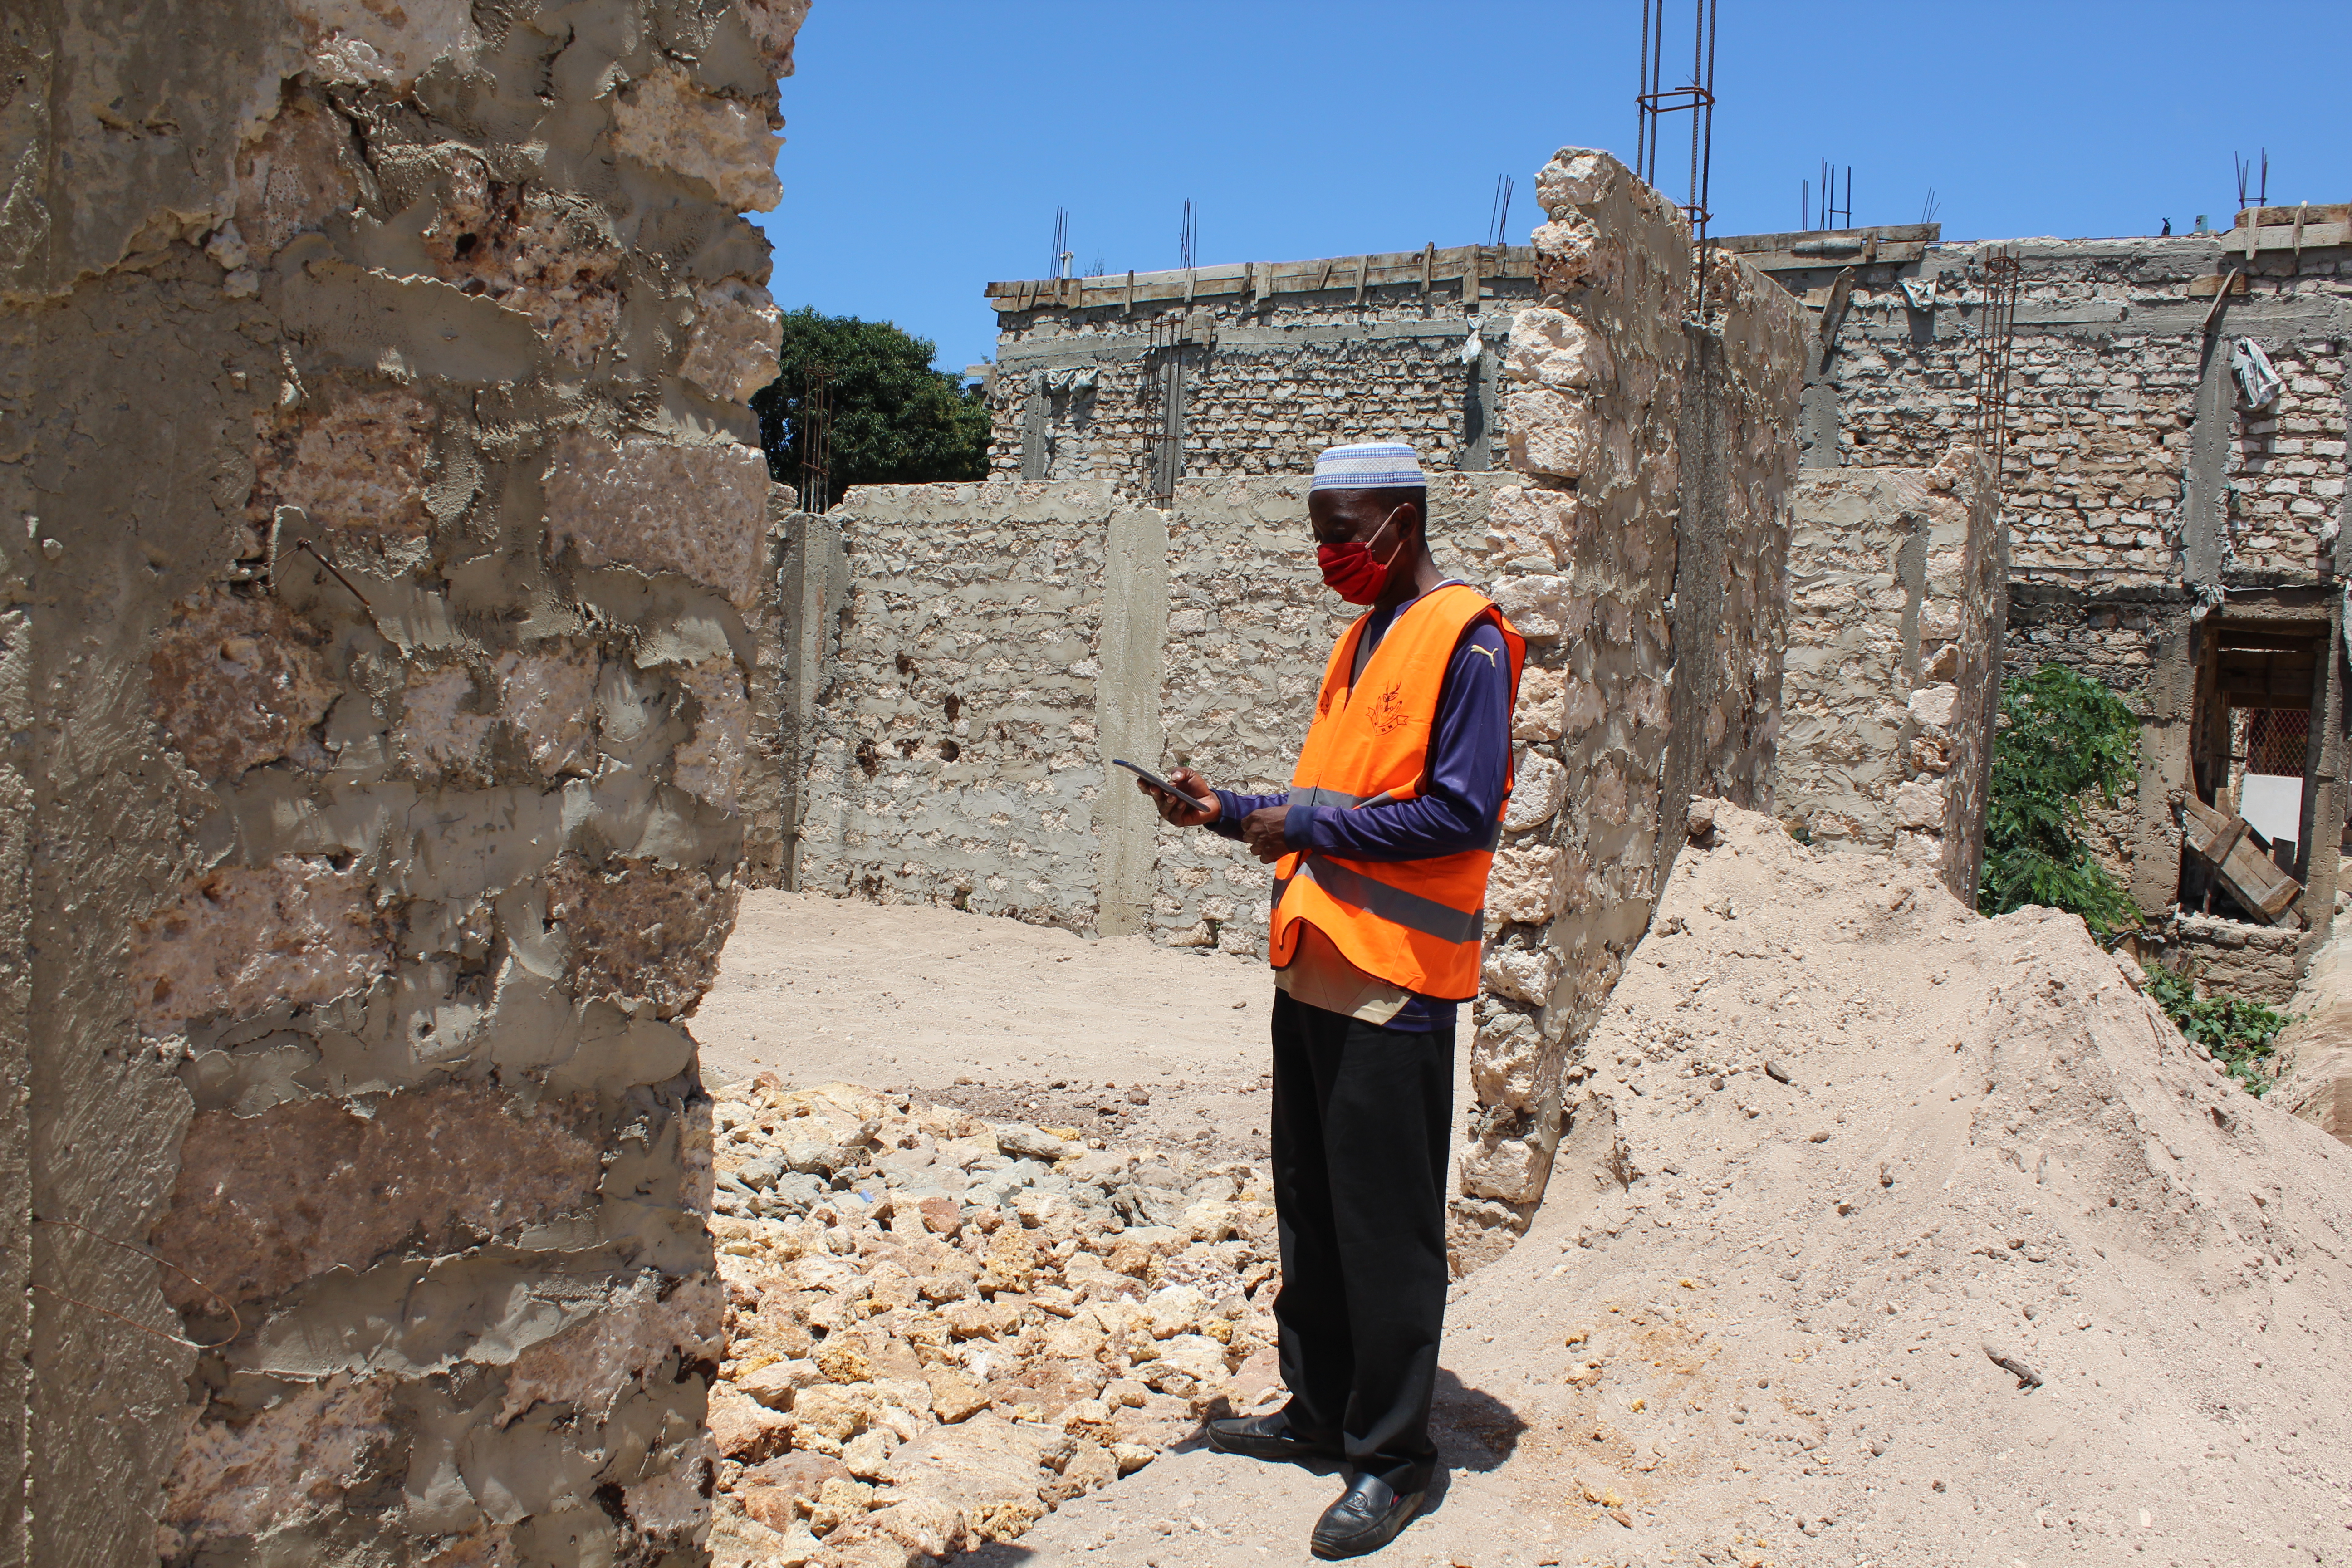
[(1849, 1165)]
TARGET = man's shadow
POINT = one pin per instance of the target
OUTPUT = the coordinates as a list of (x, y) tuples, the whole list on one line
[(1475, 1431)]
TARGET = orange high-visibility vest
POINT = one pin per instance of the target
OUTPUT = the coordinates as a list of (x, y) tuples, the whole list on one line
[(1414, 923)]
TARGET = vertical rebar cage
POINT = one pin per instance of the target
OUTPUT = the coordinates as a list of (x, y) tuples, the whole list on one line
[(2004, 279), (815, 421), (1696, 99)]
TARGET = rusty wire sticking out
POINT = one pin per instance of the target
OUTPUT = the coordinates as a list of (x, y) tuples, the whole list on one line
[(2004, 279), (312, 550), (234, 1317), (1699, 100)]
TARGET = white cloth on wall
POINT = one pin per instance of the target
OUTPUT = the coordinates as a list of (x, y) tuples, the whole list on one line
[(2257, 382)]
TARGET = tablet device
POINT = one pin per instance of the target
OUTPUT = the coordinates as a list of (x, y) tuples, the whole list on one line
[(1162, 786)]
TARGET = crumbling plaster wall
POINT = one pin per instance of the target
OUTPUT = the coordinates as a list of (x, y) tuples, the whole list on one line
[(363, 907), (1897, 586)]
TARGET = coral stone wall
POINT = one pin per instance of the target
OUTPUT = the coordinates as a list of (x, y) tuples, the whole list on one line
[(1266, 366), (385, 521), (955, 754), (2286, 466), (1644, 557), (1897, 586), (2132, 460)]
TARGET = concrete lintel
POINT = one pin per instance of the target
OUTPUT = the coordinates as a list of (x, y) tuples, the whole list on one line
[(2270, 321), (1069, 353)]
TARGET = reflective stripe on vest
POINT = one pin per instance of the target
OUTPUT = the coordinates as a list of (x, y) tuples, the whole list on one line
[(1344, 882), (1338, 799), (1414, 923)]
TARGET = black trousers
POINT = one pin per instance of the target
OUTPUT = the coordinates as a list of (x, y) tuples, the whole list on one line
[(1361, 1117)]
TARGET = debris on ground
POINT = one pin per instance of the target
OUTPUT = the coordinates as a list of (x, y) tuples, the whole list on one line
[(939, 1329)]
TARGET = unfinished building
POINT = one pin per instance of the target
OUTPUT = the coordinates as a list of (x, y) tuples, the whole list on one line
[(1250, 370), (385, 523), (972, 655), (2174, 490)]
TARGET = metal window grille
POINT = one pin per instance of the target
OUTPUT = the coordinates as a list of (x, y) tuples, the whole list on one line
[(2276, 739)]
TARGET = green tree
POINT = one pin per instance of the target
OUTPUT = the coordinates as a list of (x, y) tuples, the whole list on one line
[(2062, 738), (895, 420)]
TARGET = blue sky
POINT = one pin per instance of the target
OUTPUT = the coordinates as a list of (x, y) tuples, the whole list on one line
[(928, 141)]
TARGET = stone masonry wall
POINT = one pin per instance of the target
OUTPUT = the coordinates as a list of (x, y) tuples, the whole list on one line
[(2140, 490), (1895, 589), (1616, 522), (1266, 365), (955, 757), (2286, 466), (2111, 361), (374, 653)]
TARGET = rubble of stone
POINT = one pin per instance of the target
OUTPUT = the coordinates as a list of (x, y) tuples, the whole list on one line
[(938, 1330)]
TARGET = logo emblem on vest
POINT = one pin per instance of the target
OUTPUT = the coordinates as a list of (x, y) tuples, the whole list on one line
[(1387, 714)]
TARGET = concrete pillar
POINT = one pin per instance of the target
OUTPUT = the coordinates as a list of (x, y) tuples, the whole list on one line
[(1035, 451), (17, 800), (2203, 493), (381, 553), (1126, 713)]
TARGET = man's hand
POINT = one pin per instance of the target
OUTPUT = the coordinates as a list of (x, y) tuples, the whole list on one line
[(1262, 831), (1183, 813)]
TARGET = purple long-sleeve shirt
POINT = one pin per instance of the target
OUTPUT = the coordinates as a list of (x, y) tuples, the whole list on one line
[(1468, 777)]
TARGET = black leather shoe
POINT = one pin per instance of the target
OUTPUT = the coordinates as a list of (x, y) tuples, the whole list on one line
[(1267, 1437), (1365, 1519)]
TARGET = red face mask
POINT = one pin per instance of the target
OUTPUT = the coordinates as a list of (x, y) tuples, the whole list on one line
[(1350, 570)]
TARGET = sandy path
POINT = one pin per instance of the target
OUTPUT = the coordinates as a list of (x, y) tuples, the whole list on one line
[(999, 1018)]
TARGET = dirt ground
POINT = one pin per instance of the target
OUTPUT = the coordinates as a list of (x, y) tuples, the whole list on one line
[(1114, 1038), (1884, 1234)]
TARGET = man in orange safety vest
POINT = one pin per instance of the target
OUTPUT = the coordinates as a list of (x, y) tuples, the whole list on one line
[(1381, 849)]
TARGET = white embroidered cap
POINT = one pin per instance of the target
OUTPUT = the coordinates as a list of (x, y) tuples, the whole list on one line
[(1368, 466)]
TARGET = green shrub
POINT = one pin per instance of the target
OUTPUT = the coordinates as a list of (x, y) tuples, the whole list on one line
[(2240, 1033), (2062, 738)]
